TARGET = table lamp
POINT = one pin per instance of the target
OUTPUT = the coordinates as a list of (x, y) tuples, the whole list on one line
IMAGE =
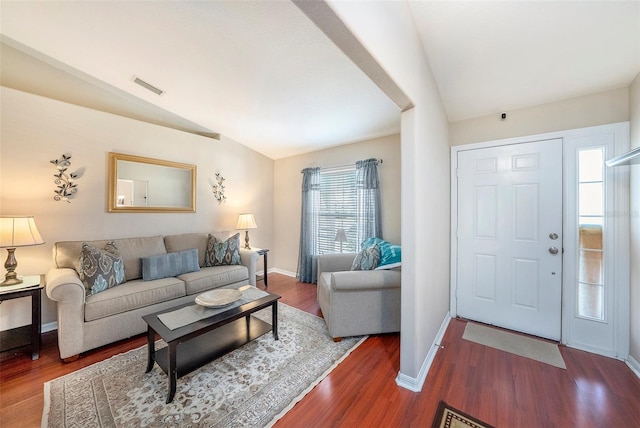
[(341, 237), (16, 231), (246, 222)]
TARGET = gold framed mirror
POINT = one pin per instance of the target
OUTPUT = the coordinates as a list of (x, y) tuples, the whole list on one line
[(145, 185)]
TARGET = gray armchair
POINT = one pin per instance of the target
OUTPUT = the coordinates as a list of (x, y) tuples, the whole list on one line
[(356, 303)]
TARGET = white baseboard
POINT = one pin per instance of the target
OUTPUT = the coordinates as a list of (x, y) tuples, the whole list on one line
[(283, 272), (634, 365), (415, 383), (50, 326)]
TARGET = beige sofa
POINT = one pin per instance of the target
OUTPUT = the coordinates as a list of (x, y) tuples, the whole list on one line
[(356, 303), (87, 322)]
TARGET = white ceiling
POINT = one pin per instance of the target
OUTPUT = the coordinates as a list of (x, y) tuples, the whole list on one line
[(261, 73), (257, 72), (495, 56)]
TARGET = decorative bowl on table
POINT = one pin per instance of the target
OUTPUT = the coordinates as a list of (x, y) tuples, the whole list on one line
[(218, 298)]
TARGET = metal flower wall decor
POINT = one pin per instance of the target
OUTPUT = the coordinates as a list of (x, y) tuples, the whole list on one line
[(218, 188), (65, 181)]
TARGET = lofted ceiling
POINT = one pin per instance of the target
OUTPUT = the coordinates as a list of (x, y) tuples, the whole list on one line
[(258, 72), (261, 73)]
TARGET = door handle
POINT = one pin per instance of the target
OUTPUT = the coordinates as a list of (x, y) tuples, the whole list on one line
[(553, 250), (553, 236)]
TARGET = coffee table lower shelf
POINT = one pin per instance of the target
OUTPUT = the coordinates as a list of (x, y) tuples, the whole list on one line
[(197, 352), (195, 344)]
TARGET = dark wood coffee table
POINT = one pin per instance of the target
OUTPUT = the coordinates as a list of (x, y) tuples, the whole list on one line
[(207, 339)]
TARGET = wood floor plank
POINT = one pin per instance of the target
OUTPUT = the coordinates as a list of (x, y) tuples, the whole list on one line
[(500, 388)]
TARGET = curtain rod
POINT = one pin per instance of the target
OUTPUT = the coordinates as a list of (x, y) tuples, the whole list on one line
[(340, 166)]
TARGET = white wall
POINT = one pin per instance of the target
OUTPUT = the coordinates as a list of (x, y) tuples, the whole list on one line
[(590, 110), (288, 182), (425, 173), (36, 130), (634, 327)]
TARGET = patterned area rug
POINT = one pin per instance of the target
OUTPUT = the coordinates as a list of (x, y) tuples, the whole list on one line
[(448, 417), (252, 386)]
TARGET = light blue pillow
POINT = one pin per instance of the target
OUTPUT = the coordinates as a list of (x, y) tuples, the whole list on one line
[(390, 254), (170, 264)]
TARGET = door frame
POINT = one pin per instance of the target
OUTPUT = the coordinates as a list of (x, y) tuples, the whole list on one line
[(621, 130)]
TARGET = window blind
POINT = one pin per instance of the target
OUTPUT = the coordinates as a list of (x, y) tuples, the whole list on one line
[(338, 205)]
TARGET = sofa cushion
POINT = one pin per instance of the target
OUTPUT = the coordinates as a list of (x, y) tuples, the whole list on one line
[(223, 253), (99, 269), (213, 277), (132, 295), (67, 253), (185, 241), (170, 264)]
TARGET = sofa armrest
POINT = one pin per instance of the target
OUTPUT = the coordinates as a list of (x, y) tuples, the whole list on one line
[(365, 280), (249, 258), (335, 262), (64, 286)]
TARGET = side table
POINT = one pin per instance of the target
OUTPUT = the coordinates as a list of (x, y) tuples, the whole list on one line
[(263, 252), (29, 334)]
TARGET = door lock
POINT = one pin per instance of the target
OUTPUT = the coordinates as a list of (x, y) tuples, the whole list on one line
[(553, 250), (553, 236)]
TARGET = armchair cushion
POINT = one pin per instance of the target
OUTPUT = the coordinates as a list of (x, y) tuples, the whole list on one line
[(367, 259), (390, 254)]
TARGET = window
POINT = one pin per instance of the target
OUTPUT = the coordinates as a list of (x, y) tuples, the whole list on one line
[(338, 210), (590, 291), (337, 199)]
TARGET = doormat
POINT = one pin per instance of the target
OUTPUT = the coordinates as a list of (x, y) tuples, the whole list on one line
[(449, 417), (523, 346)]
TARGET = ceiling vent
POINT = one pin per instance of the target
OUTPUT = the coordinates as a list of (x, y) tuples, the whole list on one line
[(148, 86)]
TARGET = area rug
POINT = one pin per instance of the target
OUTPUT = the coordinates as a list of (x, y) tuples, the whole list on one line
[(449, 417), (524, 346), (252, 386)]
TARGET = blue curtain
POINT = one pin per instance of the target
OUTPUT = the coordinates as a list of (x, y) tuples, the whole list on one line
[(307, 259), (369, 221)]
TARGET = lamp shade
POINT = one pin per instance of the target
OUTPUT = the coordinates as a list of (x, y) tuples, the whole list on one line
[(341, 236), (16, 231), (246, 221)]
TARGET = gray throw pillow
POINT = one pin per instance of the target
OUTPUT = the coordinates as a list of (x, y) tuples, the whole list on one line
[(170, 264), (223, 253), (99, 269), (367, 259)]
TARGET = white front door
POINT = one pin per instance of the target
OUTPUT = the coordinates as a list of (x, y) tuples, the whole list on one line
[(509, 232)]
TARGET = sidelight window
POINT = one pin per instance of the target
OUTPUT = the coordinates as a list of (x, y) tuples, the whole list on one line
[(591, 285)]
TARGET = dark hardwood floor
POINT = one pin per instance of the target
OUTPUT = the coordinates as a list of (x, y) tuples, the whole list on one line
[(500, 388)]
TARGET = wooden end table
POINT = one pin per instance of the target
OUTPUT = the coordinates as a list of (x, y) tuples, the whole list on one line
[(263, 252), (28, 334)]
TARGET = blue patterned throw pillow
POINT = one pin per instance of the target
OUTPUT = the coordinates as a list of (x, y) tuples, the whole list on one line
[(390, 254), (99, 269), (367, 259), (223, 253)]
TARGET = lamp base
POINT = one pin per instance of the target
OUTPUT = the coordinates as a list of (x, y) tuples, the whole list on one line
[(10, 281), (11, 278), (246, 240)]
